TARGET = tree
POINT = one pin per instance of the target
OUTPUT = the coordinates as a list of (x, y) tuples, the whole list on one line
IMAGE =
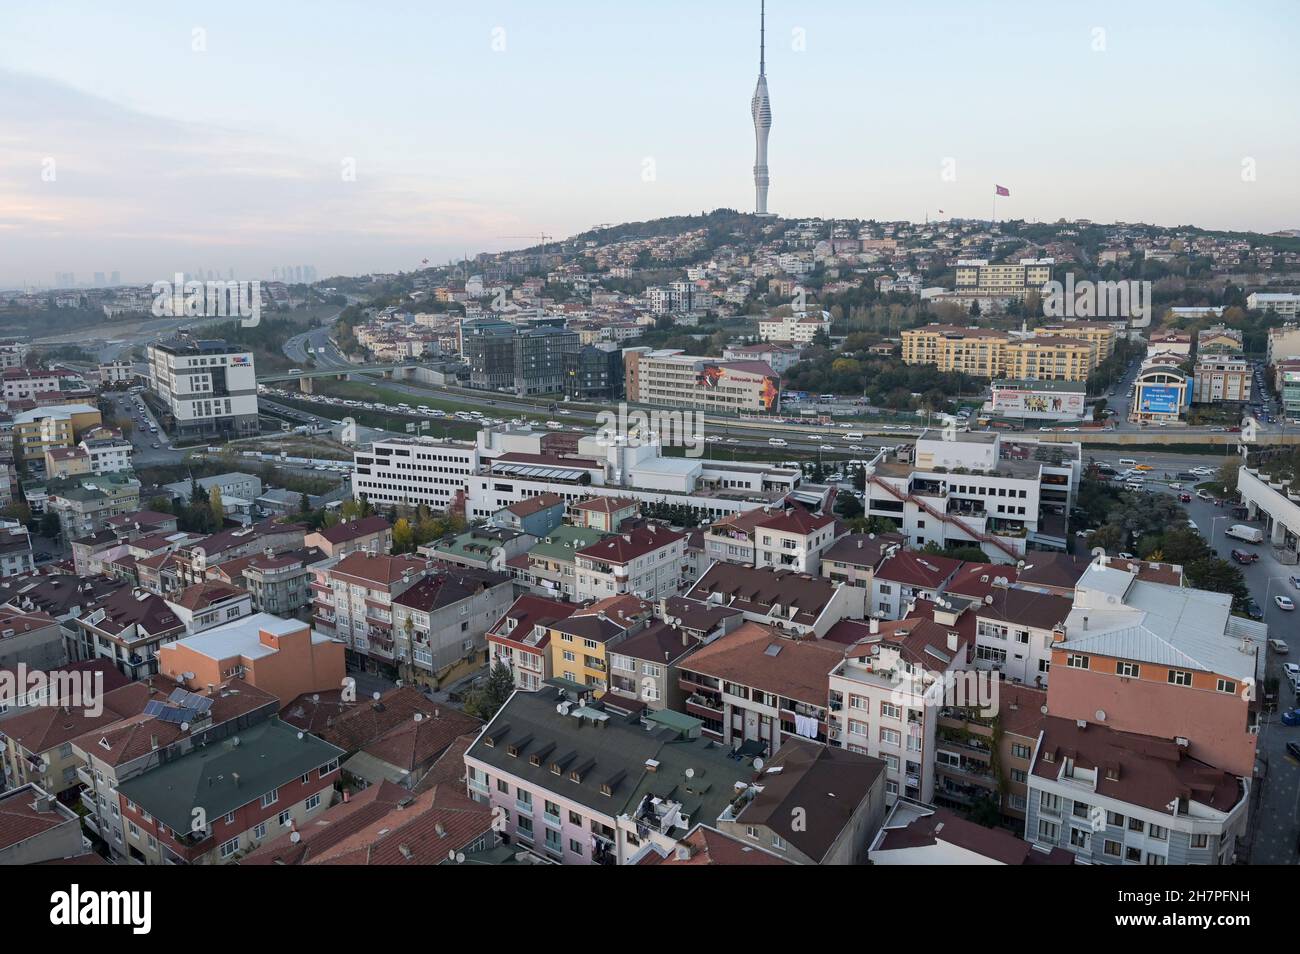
[(484, 703), (403, 536), (50, 525), (214, 502), (304, 504), (197, 496)]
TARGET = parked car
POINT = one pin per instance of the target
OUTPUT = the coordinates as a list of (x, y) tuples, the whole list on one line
[(1291, 717), (1284, 603), (1244, 558), (1254, 610), (1279, 646)]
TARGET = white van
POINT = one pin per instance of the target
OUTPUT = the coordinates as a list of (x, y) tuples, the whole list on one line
[(853, 436), (778, 442), (1127, 462)]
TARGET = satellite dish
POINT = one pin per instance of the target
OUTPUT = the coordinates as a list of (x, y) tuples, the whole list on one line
[(299, 735), (295, 837), (1101, 715), (185, 727), (375, 695), (1043, 710), (690, 773), (460, 858), (758, 765)]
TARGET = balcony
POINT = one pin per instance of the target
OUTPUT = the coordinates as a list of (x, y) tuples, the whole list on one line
[(83, 774)]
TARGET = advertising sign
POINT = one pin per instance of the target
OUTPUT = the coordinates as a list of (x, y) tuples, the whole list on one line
[(1024, 402), (1159, 399)]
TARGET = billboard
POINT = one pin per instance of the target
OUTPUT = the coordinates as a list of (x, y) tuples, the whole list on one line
[(1028, 402), (1159, 399)]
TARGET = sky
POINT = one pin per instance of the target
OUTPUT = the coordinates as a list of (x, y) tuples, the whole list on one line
[(154, 137)]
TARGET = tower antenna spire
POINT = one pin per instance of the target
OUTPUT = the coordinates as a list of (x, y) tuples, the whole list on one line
[(762, 37)]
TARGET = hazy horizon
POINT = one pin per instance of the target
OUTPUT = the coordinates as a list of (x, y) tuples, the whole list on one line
[(131, 143)]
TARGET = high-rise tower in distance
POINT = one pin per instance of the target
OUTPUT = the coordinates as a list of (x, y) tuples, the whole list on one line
[(762, 112)]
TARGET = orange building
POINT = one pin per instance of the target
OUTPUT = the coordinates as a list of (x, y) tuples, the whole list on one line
[(281, 656)]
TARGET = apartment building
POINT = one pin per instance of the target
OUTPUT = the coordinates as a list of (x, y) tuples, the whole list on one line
[(45, 428), (550, 567), (195, 560), (1219, 339), (878, 691), (134, 743), (1218, 377), (975, 276), (205, 605), (272, 779), (15, 550), (756, 685), (277, 583), (86, 504), (128, 627), (232, 486), (595, 371), (1122, 798), (353, 602), (413, 471), (372, 533), (208, 387), (1160, 660), (38, 829), (1100, 334), (672, 378), (853, 558), (282, 657), (442, 620), (811, 805), (904, 578), (603, 514), (1284, 342), (535, 516), (919, 834), (1004, 496), (21, 384), (581, 783), (987, 757), (521, 638), (800, 328), (1286, 304), (106, 453), (793, 540), (984, 352), (644, 560), (783, 599)]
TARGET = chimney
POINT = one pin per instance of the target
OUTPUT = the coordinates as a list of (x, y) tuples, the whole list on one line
[(874, 625), (153, 742), (952, 642)]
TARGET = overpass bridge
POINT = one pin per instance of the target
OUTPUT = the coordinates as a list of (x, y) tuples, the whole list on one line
[(402, 370)]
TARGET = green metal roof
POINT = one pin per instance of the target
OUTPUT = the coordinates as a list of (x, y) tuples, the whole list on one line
[(223, 775)]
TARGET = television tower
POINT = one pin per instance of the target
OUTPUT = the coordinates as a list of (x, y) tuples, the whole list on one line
[(762, 112)]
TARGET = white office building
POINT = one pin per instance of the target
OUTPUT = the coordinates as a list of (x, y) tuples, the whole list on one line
[(209, 387)]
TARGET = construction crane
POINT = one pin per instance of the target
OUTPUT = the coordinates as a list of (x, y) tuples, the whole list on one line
[(543, 237)]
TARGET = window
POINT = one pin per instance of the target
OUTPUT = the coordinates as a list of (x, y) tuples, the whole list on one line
[(1079, 838), (890, 736), (1115, 820), (284, 818), (1076, 661), (890, 711), (1227, 685), (229, 848), (1128, 670), (259, 830), (778, 843), (1020, 750), (1048, 831), (270, 798), (1200, 841), (1111, 848), (1180, 677), (1156, 832), (313, 802)]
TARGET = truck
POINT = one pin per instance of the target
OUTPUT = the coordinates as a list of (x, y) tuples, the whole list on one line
[(1239, 531)]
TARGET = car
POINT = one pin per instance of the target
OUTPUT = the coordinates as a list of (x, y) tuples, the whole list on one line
[(732, 440), (1045, 429), (154, 445), (827, 447), (1175, 486), (1284, 603), (1291, 671), (1185, 497), (1244, 557), (1125, 555), (713, 439), (1254, 610), (1290, 717), (1279, 646), (1295, 581)]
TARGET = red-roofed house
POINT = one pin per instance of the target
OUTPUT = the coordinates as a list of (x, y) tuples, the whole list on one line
[(793, 539), (905, 576), (365, 533), (645, 561), (520, 638)]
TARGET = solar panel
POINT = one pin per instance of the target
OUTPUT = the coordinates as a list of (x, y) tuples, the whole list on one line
[(178, 697), (154, 708)]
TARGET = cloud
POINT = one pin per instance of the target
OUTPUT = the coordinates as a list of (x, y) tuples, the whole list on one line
[(85, 184)]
